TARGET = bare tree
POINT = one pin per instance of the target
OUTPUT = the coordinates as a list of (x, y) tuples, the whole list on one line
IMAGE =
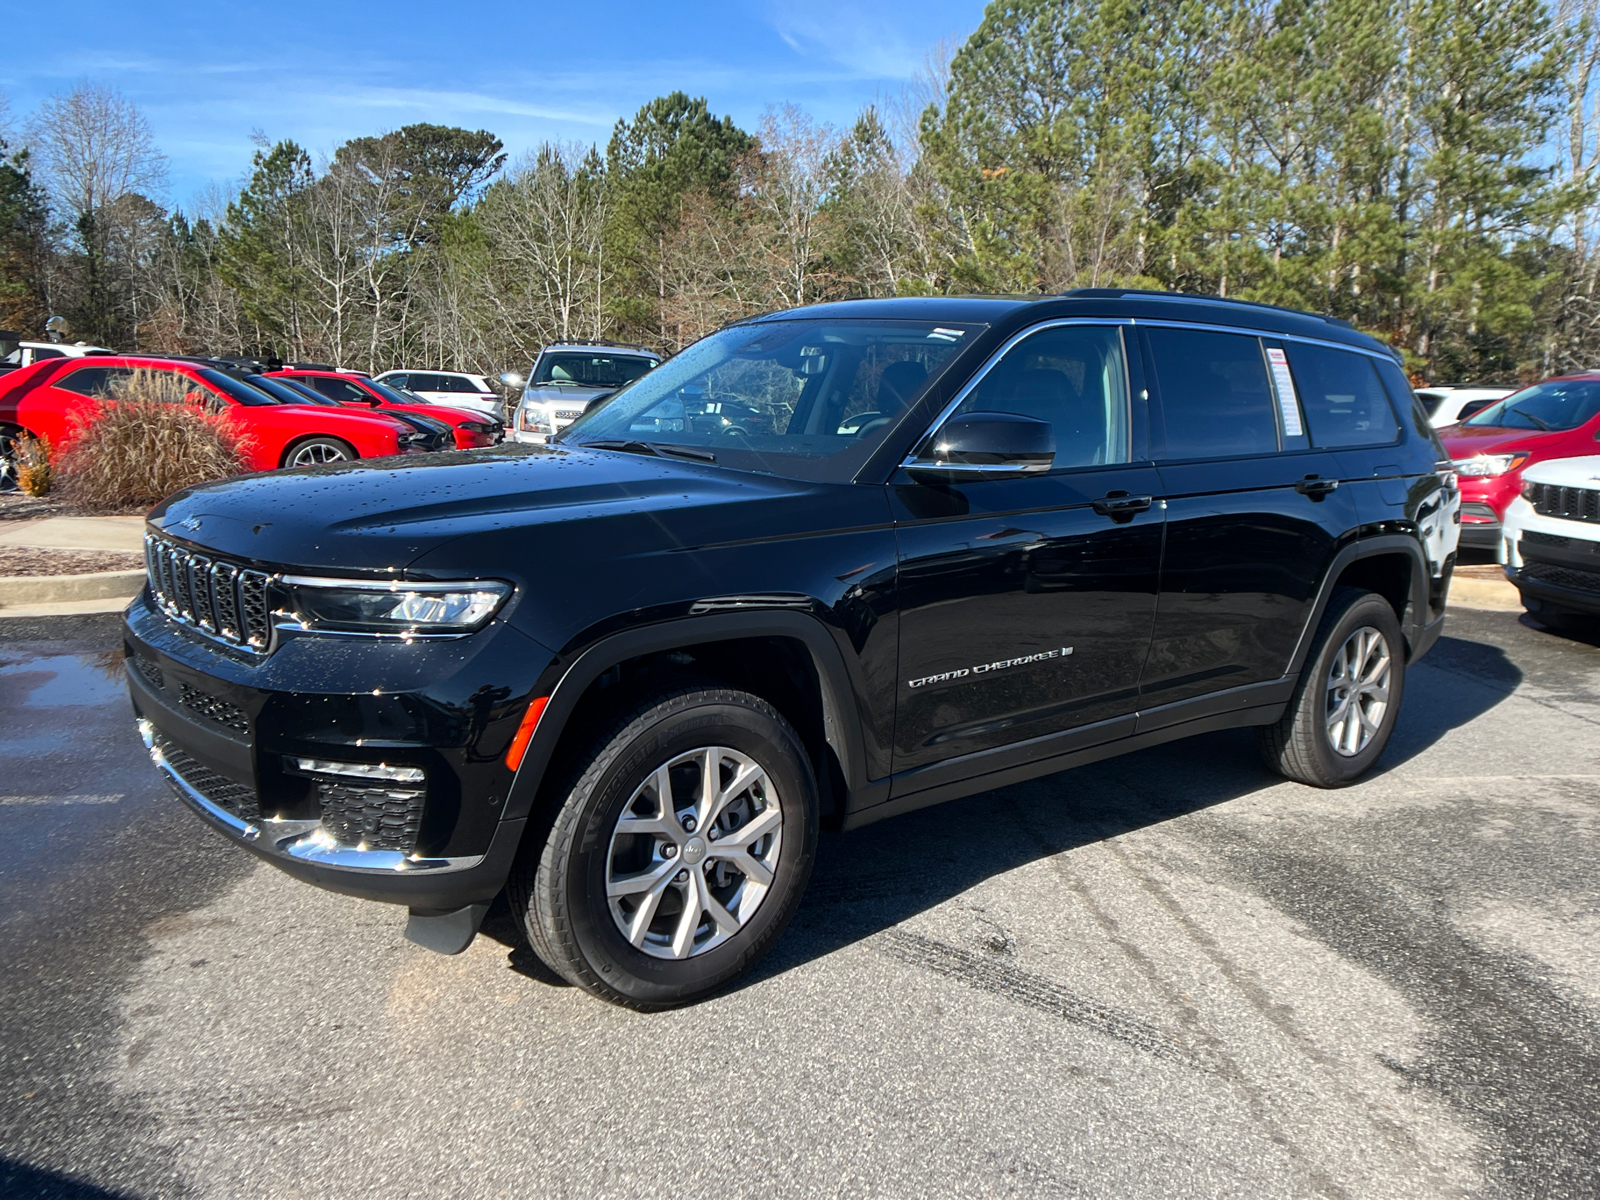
[(95, 147), (787, 192)]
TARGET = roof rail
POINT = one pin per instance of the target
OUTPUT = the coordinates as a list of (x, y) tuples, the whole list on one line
[(601, 342), (1197, 298)]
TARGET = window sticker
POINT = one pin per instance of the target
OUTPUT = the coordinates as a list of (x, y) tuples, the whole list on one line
[(1287, 404)]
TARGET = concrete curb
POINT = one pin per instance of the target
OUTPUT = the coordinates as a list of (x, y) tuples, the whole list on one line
[(65, 608), (1497, 595), (50, 589)]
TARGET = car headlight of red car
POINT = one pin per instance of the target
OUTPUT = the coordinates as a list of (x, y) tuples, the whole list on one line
[(1488, 466)]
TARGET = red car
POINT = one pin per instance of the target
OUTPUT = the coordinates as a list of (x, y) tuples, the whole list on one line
[(472, 429), (45, 399), (1559, 418)]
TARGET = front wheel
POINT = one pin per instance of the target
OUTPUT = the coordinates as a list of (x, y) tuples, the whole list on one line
[(315, 451), (1344, 708), (679, 853), (8, 461)]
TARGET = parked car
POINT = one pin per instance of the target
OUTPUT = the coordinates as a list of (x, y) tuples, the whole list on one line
[(1071, 527), (1448, 405), (432, 433), (1559, 418), (472, 429), (1552, 540), (458, 389), (15, 353), (45, 399), (569, 377)]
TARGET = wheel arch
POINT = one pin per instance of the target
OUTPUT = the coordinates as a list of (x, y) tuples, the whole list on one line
[(301, 439), (715, 643), (1393, 566)]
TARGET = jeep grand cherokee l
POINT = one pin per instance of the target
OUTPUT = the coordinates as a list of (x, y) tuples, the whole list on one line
[(624, 678)]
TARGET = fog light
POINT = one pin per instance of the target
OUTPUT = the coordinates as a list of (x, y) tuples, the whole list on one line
[(384, 771)]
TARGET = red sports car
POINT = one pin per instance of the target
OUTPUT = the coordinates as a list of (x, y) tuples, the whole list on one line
[(50, 397), (1559, 418), (472, 429)]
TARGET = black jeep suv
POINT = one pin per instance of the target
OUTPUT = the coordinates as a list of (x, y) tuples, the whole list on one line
[(627, 676)]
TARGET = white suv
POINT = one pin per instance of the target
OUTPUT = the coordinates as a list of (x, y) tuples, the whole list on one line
[(1550, 540), (566, 377), (1452, 405), (454, 388), (24, 354)]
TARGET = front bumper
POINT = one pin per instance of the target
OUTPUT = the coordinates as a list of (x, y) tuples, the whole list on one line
[(1480, 525), (226, 736)]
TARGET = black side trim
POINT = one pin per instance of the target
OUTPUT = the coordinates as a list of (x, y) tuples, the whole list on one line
[(1264, 715), (840, 712)]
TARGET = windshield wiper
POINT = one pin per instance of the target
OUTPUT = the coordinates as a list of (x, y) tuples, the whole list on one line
[(661, 449), (1522, 412)]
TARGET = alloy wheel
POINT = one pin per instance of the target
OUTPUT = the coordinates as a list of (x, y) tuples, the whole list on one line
[(693, 853), (1358, 691), (313, 453)]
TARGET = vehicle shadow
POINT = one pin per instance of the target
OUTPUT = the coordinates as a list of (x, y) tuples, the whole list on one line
[(22, 1181), (875, 878)]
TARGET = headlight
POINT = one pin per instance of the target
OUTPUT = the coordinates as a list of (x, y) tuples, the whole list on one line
[(393, 607), (533, 420), (1487, 466)]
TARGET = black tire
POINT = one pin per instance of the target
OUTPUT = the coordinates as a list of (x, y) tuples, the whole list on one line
[(1299, 745), (8, 460), (558, 886), (331, 449)]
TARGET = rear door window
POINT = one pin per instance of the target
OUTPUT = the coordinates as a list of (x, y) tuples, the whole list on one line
[(426, 383), (1342, 397), (1216, 400)]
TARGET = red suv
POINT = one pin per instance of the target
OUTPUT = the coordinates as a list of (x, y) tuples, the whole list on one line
[(48, 398), (472, 429), (1559, 418)]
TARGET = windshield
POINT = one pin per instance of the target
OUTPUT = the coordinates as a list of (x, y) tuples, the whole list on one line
[(591, 370), (1559, 404), (277, 389), (393, 395), (243, 393), (809, 399)]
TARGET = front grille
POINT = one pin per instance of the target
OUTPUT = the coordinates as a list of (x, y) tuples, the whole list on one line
[(225, 602), (151, 673), (374, 818), (568, 414), (1575, 578), (1534, 538), (240, 799), (1571, 503), (214, 708)]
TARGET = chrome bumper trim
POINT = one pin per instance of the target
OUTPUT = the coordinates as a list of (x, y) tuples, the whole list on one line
[(303, 841)]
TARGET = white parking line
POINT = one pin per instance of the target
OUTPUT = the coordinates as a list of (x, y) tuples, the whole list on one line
[(108, 799)]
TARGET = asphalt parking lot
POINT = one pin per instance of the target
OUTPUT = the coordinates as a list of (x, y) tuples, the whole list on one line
[(1164, 975)]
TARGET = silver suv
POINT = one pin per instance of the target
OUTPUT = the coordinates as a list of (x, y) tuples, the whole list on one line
[(566, 377)]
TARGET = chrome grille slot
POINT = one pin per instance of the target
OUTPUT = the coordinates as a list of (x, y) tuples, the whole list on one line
[(218, 599)]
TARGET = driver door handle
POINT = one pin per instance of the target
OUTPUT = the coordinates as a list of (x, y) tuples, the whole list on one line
[(1120, 505), (1314, 487)]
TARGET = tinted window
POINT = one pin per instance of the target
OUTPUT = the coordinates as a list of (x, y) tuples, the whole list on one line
[(1215, 398), (94, 381), (1472, 408), (1430, 401), (243, 393), (1341, 396), (341, 390), (40, 354), (591, 370), (457, 383), (1073, 377), (399, 381), (1558, 404), (425, 383), (1405, 400)]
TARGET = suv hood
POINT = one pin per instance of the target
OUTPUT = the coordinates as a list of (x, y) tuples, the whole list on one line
[(1468, 441), (1566, 472), (383, 514)]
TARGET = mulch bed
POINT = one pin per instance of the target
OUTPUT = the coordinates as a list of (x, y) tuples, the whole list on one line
[(14, 506), (33, 560)]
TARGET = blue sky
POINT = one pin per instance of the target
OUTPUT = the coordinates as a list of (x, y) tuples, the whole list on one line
[(207, 75)]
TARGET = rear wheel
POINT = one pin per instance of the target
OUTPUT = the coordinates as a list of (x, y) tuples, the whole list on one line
[(679, 853), (315, 451), (1344, 708), (8, 460)]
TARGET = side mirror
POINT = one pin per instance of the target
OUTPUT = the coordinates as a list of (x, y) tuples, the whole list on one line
[(987, 445), (513, 379)]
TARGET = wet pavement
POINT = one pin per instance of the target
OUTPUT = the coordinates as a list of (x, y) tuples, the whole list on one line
[(1169, 974)]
